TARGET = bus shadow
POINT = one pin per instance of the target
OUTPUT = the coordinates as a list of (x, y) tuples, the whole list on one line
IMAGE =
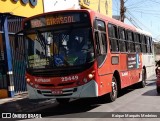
[(151, 84), (79, 107), (152, 92), (21, 104), (128, 90), (75, 108), (70, 109)]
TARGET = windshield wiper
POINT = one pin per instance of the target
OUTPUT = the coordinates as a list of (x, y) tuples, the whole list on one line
[(41, 40)]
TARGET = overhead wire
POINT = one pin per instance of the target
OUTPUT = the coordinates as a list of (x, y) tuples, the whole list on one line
[(133, 17), (133, 22), (153, 13), (143, 7), (142, 1)]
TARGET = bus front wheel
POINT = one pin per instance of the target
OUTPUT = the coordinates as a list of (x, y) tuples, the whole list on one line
[(62, 100), (113, 94)]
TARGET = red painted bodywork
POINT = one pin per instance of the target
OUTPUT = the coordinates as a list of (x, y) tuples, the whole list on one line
[(103, 75)]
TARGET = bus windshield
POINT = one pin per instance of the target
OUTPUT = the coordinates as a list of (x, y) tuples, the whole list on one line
[(59, 48)]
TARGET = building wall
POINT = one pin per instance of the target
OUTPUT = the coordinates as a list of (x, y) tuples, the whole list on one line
[(21, 9), (102, 6), (18, 9)]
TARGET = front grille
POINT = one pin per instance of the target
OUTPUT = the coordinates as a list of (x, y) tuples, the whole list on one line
[(58, 95), (52, 85), (66, 84), (68, 90), (47, 85), (65, 92)]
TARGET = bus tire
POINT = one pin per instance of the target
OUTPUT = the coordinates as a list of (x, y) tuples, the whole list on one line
[(113, 94), (142, 84), (63, 100), (158, 90)]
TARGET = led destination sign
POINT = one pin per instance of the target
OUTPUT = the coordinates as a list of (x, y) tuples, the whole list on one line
[(49, 20), (54, 20), (62, 20)]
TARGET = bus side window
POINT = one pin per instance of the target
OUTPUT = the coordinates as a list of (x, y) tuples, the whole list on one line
[(130, 42), (137, 42), (151, 45), (122, 40), (148, 44), (97, 42), (143, 43), (113, 37)]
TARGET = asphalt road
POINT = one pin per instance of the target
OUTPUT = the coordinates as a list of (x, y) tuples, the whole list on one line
[(130, 101)]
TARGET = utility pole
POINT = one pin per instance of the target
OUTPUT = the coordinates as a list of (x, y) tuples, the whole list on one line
[(122, 10)]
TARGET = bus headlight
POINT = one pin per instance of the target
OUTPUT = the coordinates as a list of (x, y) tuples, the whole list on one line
[(28, 80), (90, 76)]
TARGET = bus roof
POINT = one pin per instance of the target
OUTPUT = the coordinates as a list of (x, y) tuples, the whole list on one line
[(98, 15), (143, 32), (113, 21), (121, 24)]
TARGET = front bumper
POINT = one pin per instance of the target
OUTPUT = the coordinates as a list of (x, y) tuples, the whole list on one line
[(89, 89)]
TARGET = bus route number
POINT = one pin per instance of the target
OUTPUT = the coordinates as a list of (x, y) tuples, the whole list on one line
[(36, 23), (69, 78)]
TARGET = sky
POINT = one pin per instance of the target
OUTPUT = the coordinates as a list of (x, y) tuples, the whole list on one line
[(144, 14)]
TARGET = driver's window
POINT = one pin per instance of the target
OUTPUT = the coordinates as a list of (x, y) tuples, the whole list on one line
[(101, 40)]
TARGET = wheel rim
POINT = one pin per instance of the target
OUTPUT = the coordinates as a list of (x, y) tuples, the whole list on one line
[(114, 89)]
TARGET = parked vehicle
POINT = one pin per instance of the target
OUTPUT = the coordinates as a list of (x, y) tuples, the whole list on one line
[(158, 76)]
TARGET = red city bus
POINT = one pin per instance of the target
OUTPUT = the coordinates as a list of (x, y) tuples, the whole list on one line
[(82, 54)]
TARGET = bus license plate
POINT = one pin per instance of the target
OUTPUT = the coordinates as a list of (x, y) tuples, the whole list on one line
[(57, 92)]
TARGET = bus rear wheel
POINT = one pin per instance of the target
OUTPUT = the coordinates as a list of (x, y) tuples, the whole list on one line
[(113, 94), (62, 100), (142, 84)]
